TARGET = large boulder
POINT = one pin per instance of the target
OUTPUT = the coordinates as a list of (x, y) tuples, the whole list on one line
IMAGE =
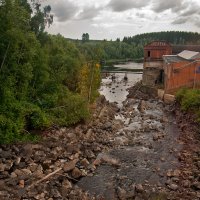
[(169, 99)]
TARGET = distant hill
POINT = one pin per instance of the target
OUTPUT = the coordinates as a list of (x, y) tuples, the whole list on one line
[(174, 37)]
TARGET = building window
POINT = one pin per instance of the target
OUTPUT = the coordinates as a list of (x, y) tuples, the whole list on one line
[(198, 70), (149, 54)]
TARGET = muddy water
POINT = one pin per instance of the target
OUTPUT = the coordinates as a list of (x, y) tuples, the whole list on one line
[(130, 65), (146, 145), (116, 90)]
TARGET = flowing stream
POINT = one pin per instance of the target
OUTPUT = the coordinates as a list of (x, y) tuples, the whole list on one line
[(115, 90)]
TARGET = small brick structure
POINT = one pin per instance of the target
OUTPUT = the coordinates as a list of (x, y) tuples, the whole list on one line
[(153, 62), (154, 51)]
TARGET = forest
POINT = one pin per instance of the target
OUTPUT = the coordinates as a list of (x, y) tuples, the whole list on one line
[(132, 47), (48, 80), (45, 80)]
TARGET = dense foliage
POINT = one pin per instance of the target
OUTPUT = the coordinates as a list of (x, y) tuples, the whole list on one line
[(107, 50), (85, 37), (190, 100), (132, 47), (174, 37), (39, 74)]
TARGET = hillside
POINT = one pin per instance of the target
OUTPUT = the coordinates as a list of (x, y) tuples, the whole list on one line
[(174, 37)]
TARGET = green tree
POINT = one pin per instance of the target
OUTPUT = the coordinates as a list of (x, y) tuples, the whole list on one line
[(85, 37), (39, 74)]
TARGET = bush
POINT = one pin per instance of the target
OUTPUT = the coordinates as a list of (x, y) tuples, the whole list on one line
[(12, 131), (189, 99), (72, 110)]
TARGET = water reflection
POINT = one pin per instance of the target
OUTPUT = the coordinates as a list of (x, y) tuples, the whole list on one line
[(114, 86)]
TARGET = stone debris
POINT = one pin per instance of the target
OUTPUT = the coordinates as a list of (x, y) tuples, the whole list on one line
[(54, 167), (69, 166)]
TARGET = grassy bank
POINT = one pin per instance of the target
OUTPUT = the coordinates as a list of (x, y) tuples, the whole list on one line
[(189, 100)]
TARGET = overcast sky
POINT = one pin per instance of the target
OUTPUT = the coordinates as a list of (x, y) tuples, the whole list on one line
[(110, 19)]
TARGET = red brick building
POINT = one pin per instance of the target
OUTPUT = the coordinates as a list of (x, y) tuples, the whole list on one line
[(155, 50), (153, 62), (182, 70), (165, 66)]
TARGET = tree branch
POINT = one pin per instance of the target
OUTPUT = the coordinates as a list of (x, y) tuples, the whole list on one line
[(4, 58)]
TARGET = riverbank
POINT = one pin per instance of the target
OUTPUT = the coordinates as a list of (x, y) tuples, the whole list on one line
[(51, 168), (123, 66), (137, 151), (122, 61)]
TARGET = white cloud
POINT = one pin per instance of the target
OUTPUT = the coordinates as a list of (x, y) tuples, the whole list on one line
[(118, 18), (123, 5)]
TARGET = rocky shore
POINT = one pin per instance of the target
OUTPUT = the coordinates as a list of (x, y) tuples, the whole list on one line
[(145, 150), (51, 168)]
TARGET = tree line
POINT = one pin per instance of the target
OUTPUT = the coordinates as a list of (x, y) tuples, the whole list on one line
[(132, 47), (173, 37), (45, 80)]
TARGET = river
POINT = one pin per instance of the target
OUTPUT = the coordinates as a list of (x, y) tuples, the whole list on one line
[(146, 143), (116, 90)]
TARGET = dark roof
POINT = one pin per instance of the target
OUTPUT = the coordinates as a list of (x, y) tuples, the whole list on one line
[(158, 44), (173, 59), (176, 49)]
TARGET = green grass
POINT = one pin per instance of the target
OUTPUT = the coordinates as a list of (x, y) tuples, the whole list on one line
[(189, 100)]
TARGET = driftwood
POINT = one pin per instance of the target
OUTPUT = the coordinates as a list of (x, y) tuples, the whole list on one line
[(44, 178)]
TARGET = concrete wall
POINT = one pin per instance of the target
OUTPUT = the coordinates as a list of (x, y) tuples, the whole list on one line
[(150, 76), (156, 64)]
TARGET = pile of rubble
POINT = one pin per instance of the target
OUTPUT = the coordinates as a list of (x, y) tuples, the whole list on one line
[(51, 168)]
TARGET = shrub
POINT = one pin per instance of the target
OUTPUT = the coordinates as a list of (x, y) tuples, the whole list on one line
[(189, 99)]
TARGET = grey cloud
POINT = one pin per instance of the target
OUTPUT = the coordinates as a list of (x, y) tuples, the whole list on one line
[(174, 5), (140, 15), (189, 13), (181, 20), (88, 13), (197, 23), (64, 10), (123, 5), (191, 10), (196, 20)]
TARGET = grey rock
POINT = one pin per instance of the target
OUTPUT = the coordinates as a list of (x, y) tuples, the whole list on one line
[(17, 160), (69, 166), (186, 183), (2, 167), (76, 173), (173, 186), (108, 125), (139, 188)]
